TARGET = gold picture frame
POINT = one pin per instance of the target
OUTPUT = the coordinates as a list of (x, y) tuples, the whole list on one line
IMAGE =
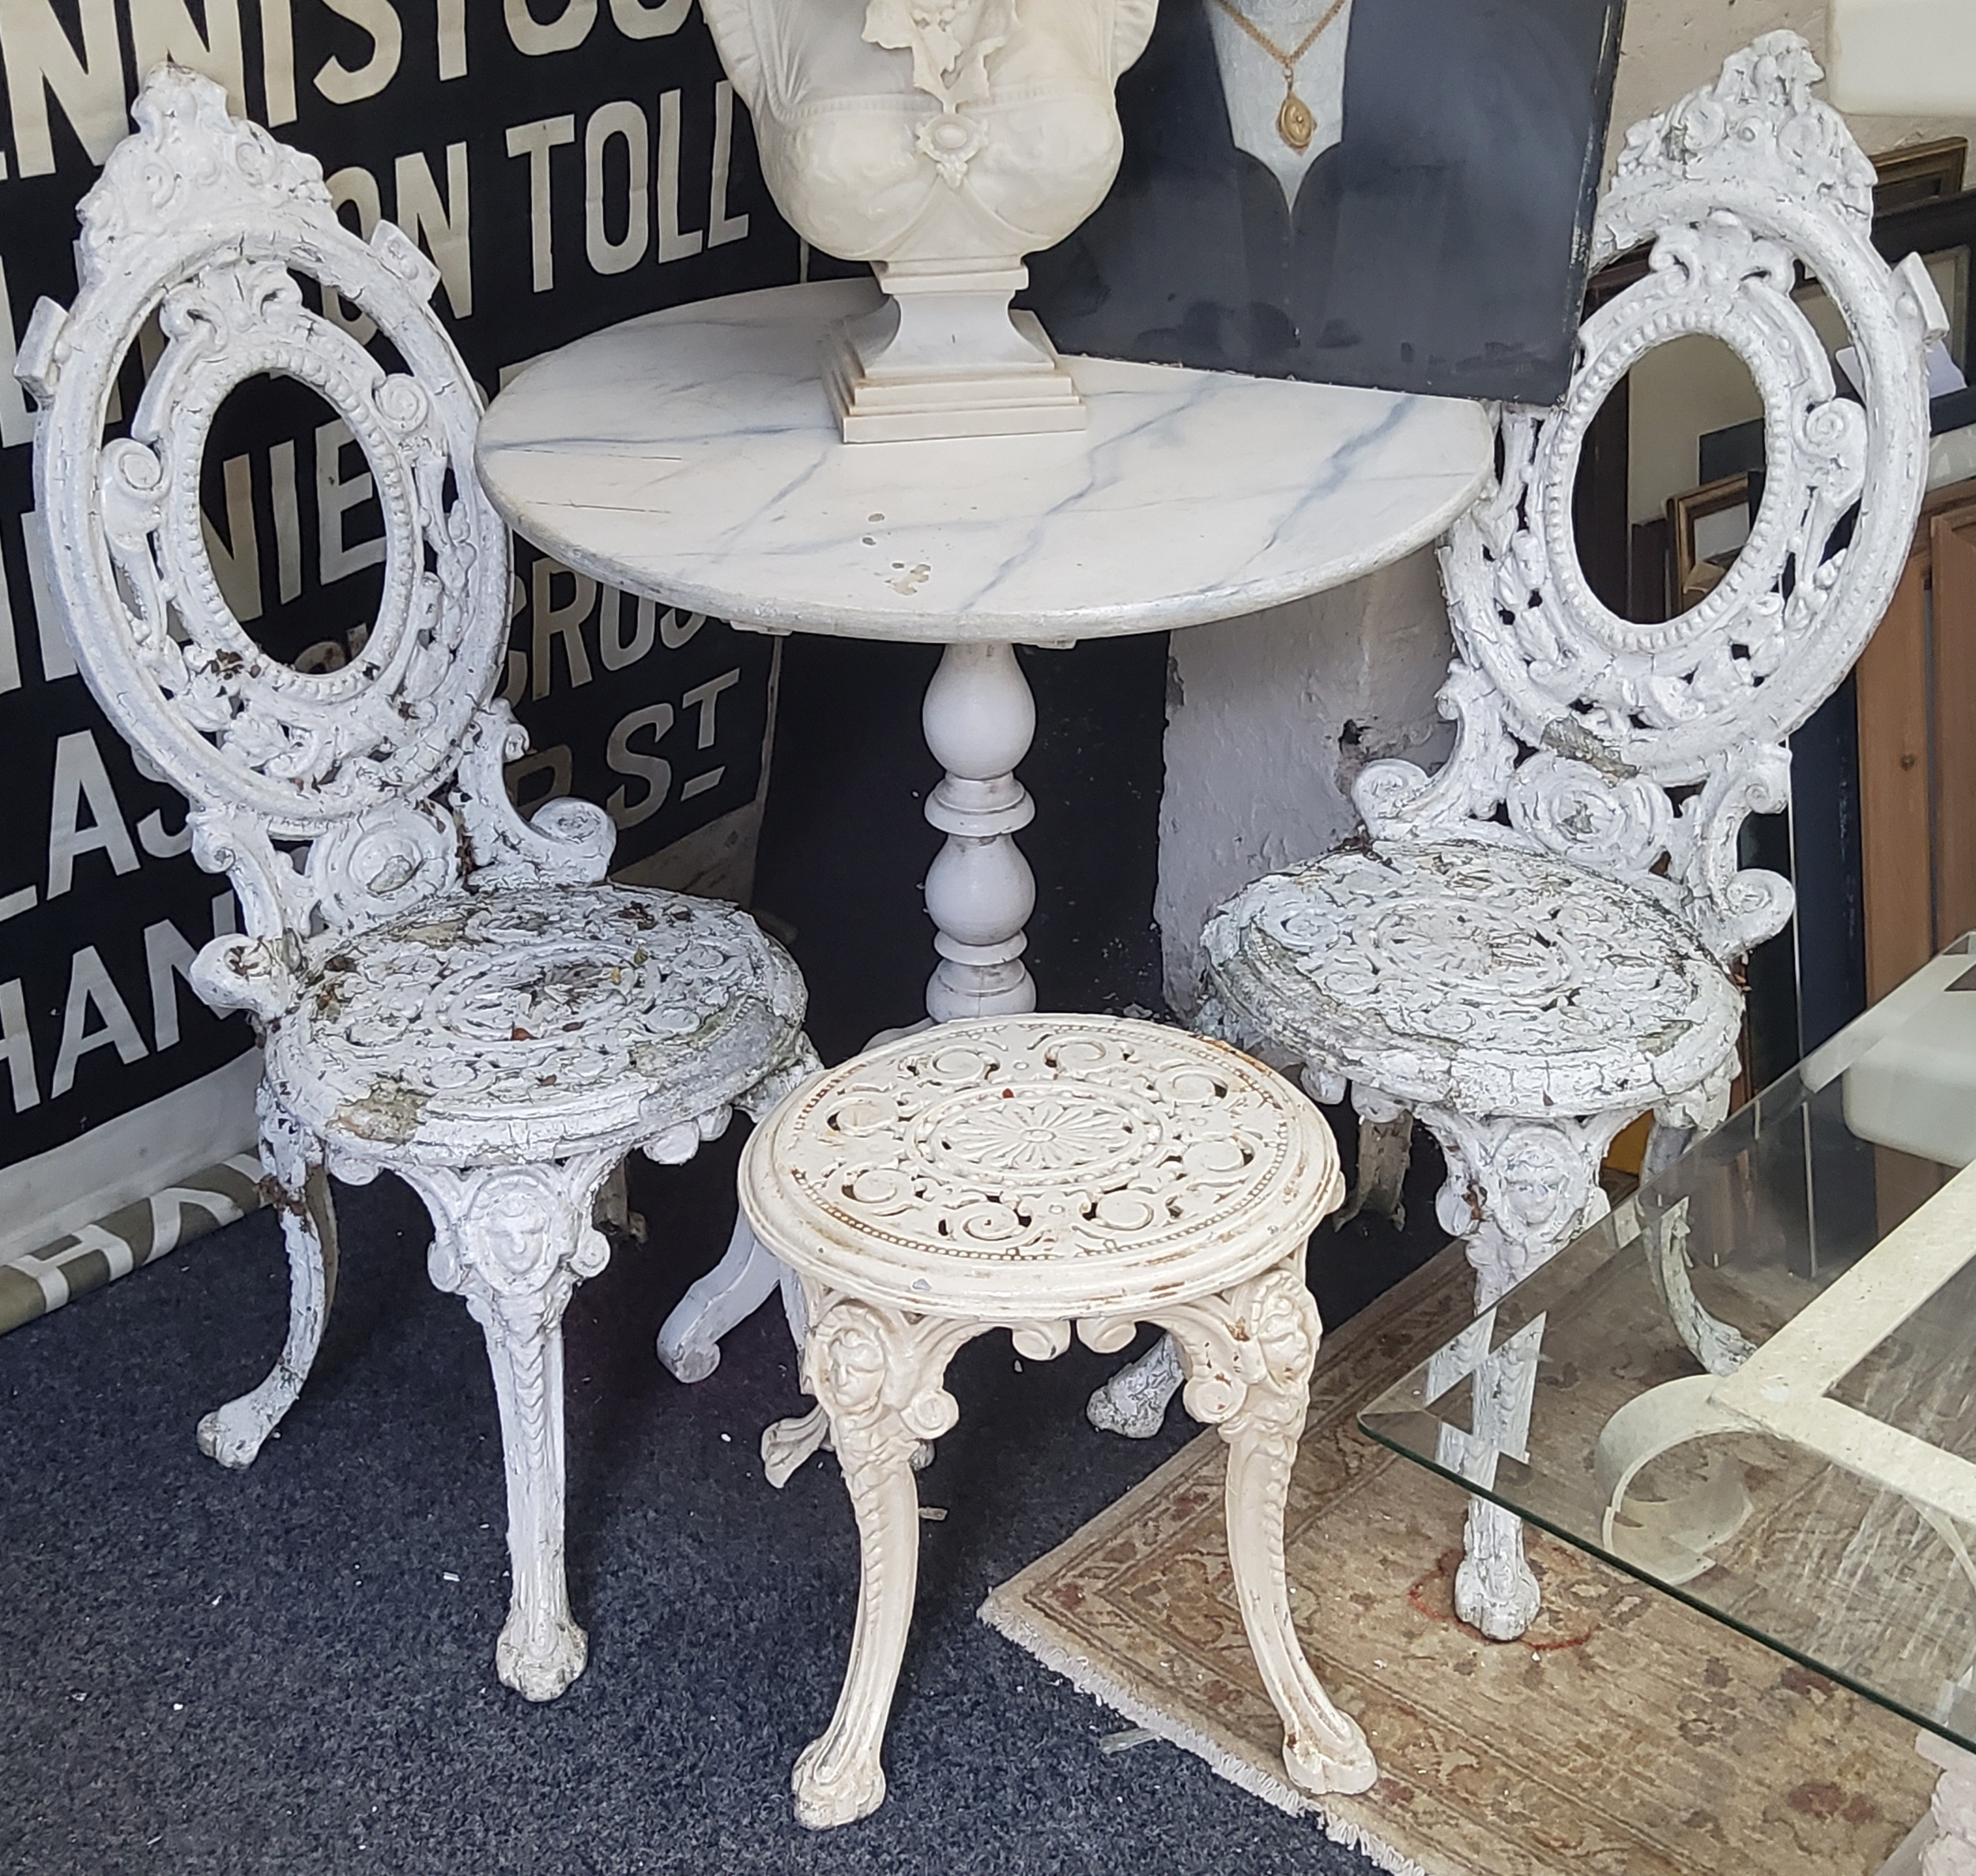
[(1919, 172), (1699, 561)]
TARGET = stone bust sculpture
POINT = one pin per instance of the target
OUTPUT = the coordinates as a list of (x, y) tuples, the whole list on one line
[(941, 141)]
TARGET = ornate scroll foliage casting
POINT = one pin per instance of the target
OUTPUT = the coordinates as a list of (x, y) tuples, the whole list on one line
[(206, 222), (1736, 185), (1074, 1143)]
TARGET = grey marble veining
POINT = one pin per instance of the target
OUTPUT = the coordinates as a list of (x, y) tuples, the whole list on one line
[(690, 456)]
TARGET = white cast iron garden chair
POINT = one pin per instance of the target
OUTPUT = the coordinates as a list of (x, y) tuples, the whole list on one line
[(444, 991), (1534, 947)]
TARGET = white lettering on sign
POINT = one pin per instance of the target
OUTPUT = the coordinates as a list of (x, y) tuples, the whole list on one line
[(537, 38), (288, 520), (9, 646), (236, 560), (354, 187), (90, 987), (334, 499), (723, 227), (672, 245), (57, 657), (563, 622), (452, 39), (277, 62), (624, 123), (41, 63), (641, 19), (703, 698), (80, 780), (378, 20), (440, 224), (167, 960), (163, 29), (17, 1045), (654, 771), (612, 646), (535, 141), (16, 421)]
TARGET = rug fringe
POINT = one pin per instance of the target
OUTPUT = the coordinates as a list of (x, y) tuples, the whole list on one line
[(1007, 1616)]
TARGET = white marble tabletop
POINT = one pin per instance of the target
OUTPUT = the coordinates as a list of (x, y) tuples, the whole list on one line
[(690, 456)]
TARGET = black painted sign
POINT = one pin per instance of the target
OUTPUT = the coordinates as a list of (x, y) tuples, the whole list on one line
[(567, 163)]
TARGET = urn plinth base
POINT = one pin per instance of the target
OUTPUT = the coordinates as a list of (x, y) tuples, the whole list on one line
[(944, 356)]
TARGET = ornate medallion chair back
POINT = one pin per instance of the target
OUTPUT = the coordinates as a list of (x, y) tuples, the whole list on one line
[(319, 793), (1637, 750), (1537, 950)]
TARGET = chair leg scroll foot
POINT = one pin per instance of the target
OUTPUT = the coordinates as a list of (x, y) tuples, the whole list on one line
[(297, 1187), (1517, 1191), (1494, 1590), (1248, 1356), (514, 1241), (877, 1373), (745, 1277), (788, 1444), (1133, 1403)]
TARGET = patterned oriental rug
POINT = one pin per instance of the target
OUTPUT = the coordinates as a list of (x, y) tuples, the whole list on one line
[(1625, 1735)]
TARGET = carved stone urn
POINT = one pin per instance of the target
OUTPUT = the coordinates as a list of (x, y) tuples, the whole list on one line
[(941, 141)]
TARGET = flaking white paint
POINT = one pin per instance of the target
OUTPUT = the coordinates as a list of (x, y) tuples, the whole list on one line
[(1669, 46)]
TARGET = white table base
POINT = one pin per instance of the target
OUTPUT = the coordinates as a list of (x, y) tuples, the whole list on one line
[(979, 717)]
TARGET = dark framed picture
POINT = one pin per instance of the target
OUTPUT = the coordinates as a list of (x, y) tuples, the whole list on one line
[(1392, 192), (1919, 172), (1707, 527), (1943, 231)]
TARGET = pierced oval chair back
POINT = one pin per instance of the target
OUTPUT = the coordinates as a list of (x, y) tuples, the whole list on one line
[(1637, 750), (205, 222)]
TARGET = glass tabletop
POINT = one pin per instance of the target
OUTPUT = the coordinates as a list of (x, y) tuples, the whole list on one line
[(1754, 1385)]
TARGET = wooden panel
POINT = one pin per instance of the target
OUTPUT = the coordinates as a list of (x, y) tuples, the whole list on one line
[(1902, 1184), (1892, 676), (1628, 1149), (1953, 539)]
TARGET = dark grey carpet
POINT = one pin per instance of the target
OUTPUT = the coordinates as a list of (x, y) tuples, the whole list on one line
[(276, 1670)]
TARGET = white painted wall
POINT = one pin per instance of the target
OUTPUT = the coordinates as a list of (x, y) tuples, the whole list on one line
[(1257, 773), (1259, 757), (1672, 46)]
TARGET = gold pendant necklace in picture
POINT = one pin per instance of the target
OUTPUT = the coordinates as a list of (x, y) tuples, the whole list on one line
[(1294, 123)]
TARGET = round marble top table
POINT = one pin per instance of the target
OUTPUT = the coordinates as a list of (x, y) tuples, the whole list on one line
[(690, 457)]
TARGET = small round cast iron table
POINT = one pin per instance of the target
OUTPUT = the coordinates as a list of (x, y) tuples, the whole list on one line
[(1039, 1174), (690, 457)]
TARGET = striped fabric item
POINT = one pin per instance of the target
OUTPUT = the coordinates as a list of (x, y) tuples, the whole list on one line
[(34, 1281)]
